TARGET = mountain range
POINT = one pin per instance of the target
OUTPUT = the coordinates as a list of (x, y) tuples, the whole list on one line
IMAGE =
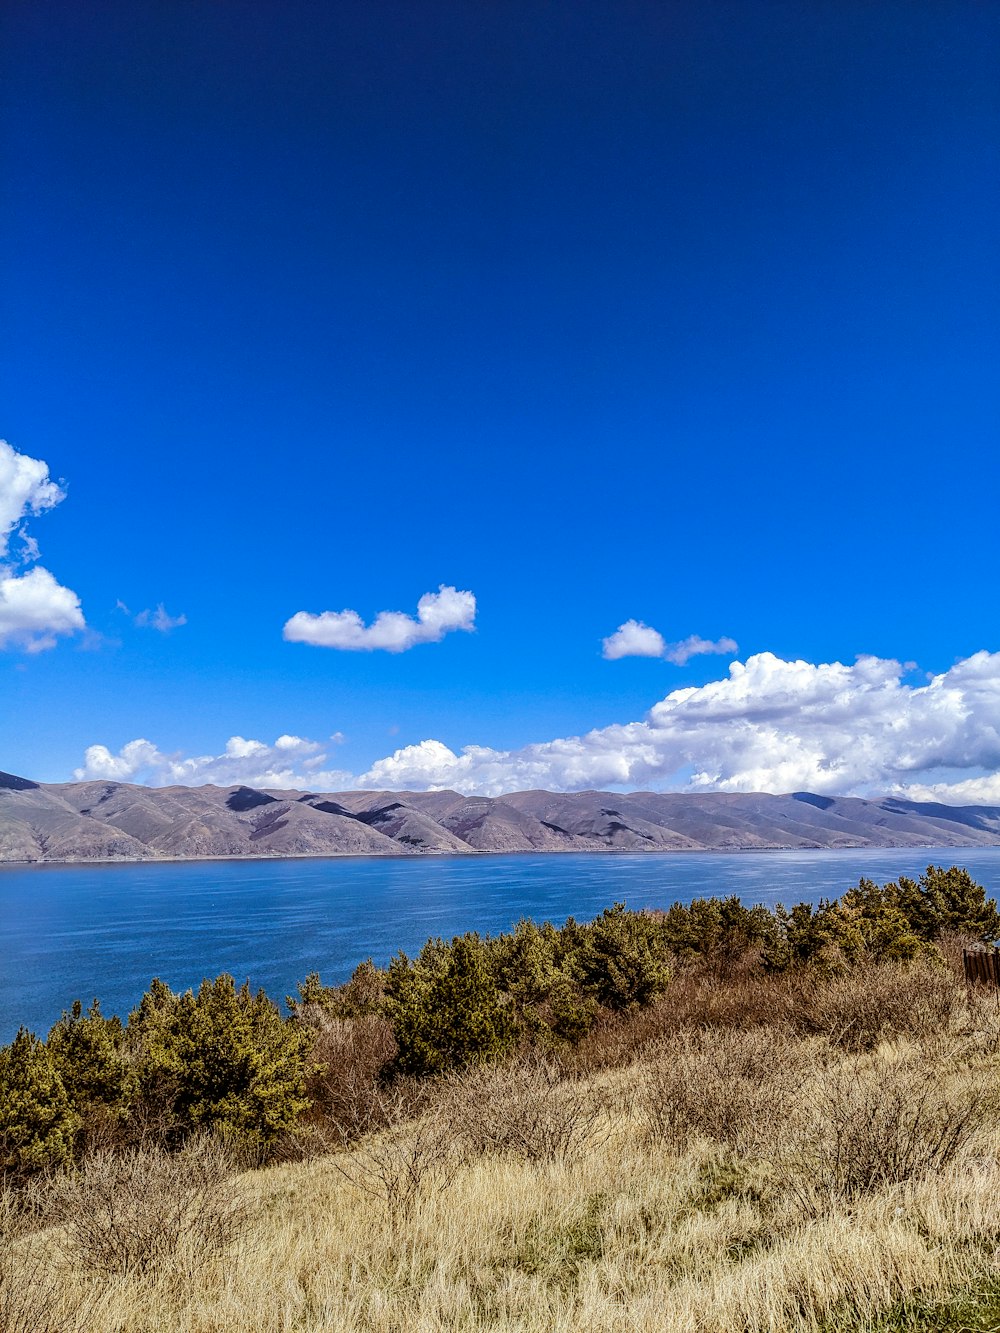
[(119, 821)]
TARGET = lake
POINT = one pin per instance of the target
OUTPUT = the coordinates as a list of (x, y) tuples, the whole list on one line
[(73, 932)]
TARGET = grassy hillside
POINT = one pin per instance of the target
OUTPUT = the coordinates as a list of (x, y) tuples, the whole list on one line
[(750, 1147)]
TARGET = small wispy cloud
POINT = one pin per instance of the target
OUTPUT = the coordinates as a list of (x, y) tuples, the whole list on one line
[(695, 646), (637, 639), (29, 546), (159, 619), (438, 613)]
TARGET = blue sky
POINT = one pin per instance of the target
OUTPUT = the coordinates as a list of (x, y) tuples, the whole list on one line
[(682, 314)]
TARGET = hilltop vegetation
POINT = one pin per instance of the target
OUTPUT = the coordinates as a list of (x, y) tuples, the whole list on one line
[(716, 1117)]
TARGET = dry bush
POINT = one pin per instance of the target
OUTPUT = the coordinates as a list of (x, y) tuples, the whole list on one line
[(870, 1126), (398, 1166), (525, 1109), (747, 998), (855, 1010), (32, 1295), (730, 1086), (144, 1211), (619, 1038), (24, 1208), (697, 997), (861, 1008), (951, 944), (33, 1298), (350, 1054)]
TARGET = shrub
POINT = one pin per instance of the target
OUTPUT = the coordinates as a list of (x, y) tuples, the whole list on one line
[(871, 925), (749, 998), (947, 900), (871, 1126), (37, 1122), (88, 1053), (730, 1086), (222, 1059), (533, 968), (624, 958), (397, 1167), (859, 1009), (719, 930), (356, 998), (446, 1008), (144, 1210), (349, 1056), (525, 1109), (898, 922)]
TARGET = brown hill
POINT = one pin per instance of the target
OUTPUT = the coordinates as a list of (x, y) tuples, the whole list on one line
[(79, 821)]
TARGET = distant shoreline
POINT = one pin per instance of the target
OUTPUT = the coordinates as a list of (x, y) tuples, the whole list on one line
[(474, 852)]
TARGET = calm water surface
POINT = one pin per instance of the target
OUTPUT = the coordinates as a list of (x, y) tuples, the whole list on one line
[(70, 932)]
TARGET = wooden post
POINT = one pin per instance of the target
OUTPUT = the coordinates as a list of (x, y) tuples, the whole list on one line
[(982, 967)]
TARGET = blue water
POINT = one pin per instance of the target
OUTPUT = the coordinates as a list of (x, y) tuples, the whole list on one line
[(69, 932)]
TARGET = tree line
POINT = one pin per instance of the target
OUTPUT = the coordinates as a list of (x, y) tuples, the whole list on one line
[(226, 1060)]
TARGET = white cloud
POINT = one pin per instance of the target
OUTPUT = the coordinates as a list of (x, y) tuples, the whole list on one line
[(636, 639), (768, 725), (291, 762), (29, 546), (35, 609), (437, 614), (25, 488), (694, 646), (158, 619), (970, 791)]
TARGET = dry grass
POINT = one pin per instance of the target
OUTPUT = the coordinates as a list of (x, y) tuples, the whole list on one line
[(734, 1178), (867, 1127), (32, 1294)]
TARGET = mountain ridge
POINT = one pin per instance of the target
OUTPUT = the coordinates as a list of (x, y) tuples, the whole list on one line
[(118, 821)]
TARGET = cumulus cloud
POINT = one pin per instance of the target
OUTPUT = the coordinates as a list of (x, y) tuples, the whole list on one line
[(290, 762), (636, 639), (768, 725), (25, 488), (34, 608), (438, 613), (158, 619), (970, 791)]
